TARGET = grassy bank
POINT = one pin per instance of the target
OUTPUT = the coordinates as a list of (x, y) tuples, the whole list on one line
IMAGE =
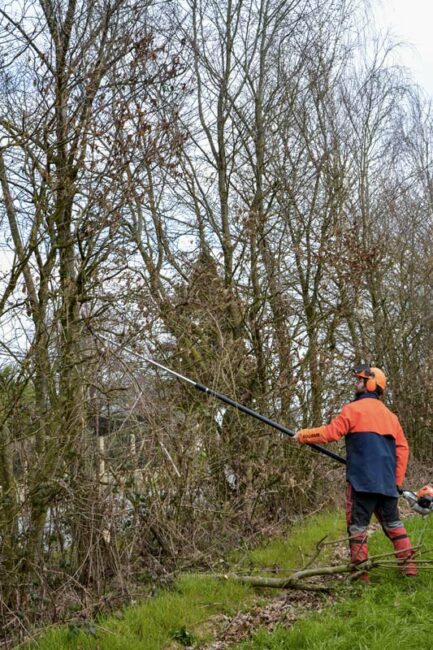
[(180, 614), (392, 612), (153, 624)]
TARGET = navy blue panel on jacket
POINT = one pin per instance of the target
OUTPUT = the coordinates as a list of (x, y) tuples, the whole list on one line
[(371, 460), (371, 463)]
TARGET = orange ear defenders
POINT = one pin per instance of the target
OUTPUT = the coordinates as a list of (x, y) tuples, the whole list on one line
[(374, 377)]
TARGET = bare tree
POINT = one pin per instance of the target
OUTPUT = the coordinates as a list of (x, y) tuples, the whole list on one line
[(76, 88)]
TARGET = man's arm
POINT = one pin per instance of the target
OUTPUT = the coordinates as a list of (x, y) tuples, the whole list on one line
[(402, 455), (335, 430)]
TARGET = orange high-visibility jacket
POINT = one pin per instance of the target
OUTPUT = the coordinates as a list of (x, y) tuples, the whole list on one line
[(377, 450)]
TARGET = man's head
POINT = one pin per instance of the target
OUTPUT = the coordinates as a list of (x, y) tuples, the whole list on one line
[(369, 379)]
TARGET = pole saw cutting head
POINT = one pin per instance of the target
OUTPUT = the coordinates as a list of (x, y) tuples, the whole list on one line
[(422, 501)]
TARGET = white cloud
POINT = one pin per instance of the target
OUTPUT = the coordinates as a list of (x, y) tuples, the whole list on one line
[(410, 21)]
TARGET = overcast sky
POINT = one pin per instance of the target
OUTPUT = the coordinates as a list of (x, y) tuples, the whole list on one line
[(410, 21)]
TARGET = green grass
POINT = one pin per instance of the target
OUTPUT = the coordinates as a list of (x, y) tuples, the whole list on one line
[(181, 613), (292, 552), (157, 621), (392, 612)]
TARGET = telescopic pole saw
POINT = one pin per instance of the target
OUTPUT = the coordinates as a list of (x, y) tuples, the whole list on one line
[(416, 504), (226, 400)]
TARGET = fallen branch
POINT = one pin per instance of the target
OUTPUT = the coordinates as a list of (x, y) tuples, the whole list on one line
[(276, 583), (298, 579)]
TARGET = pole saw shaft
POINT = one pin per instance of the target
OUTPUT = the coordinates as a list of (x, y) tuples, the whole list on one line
[(268, 421), (230, 402)]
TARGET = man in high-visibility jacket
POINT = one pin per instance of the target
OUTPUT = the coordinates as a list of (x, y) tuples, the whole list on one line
[(377, 455)]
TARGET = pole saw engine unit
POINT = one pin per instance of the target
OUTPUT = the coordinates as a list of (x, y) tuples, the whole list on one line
[(422, 501)]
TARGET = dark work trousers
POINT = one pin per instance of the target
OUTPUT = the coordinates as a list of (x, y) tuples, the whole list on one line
[(360, 507)]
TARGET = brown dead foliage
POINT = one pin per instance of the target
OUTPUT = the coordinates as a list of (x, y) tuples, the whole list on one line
[(284, 610)]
